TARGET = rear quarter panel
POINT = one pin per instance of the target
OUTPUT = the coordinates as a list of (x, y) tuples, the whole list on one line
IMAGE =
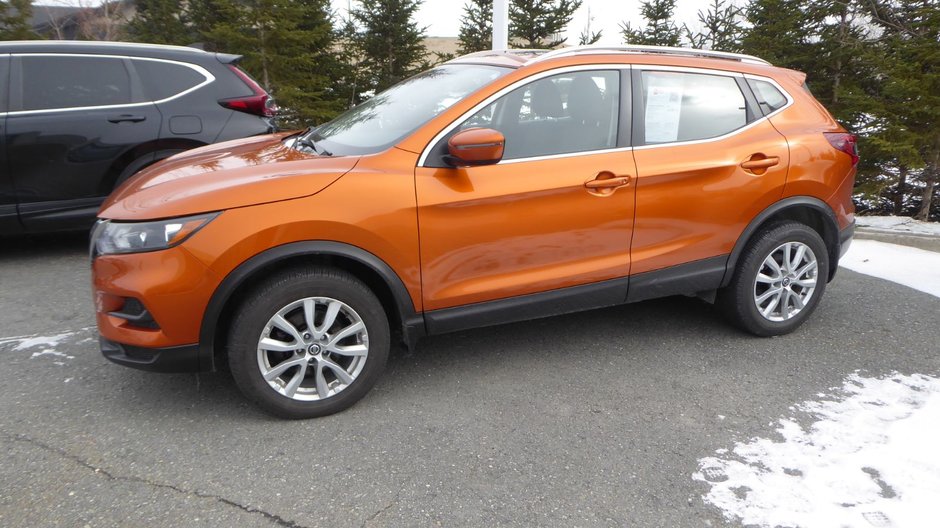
[(816, 168)]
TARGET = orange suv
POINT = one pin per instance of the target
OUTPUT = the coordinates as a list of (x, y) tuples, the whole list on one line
[(498, 187)]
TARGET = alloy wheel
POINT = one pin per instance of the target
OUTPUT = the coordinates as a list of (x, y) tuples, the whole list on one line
[(313, 348), (786, 281)]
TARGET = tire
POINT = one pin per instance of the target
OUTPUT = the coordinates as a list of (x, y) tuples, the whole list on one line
[(335, 371), (779, 300)]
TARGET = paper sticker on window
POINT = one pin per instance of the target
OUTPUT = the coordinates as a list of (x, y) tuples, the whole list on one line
[(663, 106)]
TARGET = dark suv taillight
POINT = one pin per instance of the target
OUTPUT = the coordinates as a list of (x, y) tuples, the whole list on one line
[(845, 142), (259, 103)]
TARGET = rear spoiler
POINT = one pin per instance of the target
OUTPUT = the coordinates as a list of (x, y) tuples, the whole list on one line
[(224, 58), (228, 58)]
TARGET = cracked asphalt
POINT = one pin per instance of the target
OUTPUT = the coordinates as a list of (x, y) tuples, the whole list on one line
[(592, 419)]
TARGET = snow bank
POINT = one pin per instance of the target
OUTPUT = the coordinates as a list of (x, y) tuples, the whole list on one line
[(869, 456), (909, 266), (898, 224), (870, 459)]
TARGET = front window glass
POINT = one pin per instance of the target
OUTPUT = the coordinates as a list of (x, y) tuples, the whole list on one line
[(391, 115), (690, 106), (562, 114)]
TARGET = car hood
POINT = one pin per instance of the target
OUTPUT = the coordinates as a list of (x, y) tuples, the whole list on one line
[(236, 173)]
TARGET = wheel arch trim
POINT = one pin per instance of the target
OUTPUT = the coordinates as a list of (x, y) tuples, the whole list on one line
[(830, 233), (412, 322)]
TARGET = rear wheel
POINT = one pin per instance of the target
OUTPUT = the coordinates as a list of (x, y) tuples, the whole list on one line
[(308, 343), (779, 281)]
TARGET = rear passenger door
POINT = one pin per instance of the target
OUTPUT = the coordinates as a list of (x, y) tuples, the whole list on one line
[(707, 163), (74, 121), (168, 84)]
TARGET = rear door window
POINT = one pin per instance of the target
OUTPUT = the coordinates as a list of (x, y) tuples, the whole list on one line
[(680, 106), (52, 82), (162, 80)]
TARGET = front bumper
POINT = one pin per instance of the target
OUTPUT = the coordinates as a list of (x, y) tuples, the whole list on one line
[(169, 359)]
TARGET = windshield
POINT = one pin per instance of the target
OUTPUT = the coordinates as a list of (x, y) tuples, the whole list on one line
[(391, 115)]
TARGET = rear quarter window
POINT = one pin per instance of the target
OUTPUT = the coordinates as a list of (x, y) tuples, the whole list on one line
[(768, 96), (162, 80)]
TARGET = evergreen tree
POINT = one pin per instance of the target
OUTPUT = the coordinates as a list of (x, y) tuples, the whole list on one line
[(476, 26), (781, 32), (532, 24), (203, 15), (659, 29), (588, 37), (14, 20), (721, 27), (160, 22), (910, 91), (288, 46), (390, 46), (538, 23)]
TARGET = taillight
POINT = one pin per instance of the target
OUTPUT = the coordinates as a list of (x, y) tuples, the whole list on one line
[(259, 103), (845, 142)]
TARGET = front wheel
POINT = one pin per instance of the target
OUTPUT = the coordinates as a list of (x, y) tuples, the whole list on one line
[(779, 281), (308, 343)]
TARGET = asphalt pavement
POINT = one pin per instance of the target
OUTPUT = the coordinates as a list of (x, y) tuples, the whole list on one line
[(591, 419)]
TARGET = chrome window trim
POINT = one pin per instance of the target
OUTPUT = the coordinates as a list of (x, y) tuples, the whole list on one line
[(706, 71), (606, 66), (521, 82), (566, 155), (208, 79)]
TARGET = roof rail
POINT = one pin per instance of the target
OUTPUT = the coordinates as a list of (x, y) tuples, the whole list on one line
[(665, 50), (97, 43)]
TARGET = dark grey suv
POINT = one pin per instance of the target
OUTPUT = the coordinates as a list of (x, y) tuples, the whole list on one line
[(78, 118)]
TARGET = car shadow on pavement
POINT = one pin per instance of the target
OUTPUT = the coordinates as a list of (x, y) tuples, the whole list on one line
[(470, 357), (533, 345)]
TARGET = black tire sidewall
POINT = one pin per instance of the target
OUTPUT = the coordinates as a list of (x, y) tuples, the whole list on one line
[(740, 305), (265, 300)]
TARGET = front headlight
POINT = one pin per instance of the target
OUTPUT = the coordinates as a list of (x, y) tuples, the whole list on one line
[(111, 236)]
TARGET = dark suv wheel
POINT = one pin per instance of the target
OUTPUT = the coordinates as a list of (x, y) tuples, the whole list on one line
[(779, 281), (308, 343)]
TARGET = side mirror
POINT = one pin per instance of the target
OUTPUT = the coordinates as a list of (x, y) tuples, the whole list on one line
[(475, 146)]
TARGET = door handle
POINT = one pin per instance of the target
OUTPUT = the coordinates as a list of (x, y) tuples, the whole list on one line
[(127, 118), (760, 163), (607, 183)]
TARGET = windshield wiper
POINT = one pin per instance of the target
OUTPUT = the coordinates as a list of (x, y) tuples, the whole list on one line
[(305, 139)]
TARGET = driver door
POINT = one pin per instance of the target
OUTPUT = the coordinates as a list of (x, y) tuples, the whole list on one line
[(529, 224)]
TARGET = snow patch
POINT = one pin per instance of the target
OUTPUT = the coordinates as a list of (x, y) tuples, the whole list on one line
[(50, 345), (898, 224), (869, 459), (38, 341), (905, 265), (51, 352)]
